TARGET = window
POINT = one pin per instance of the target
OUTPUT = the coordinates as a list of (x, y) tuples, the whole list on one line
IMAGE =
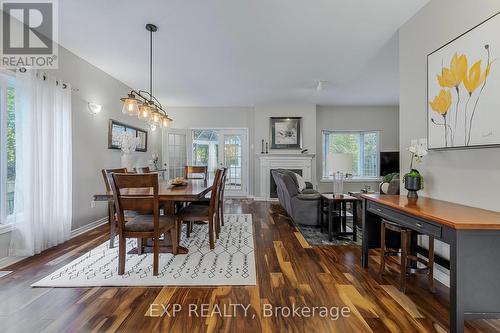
[(206, 149), (363, 145), (7, 149)]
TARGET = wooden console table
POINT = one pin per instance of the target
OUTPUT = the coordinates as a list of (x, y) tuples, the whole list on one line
[(474, 238)]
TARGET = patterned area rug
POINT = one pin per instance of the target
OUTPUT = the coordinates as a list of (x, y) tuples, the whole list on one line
[(314, 236), (232, 262)]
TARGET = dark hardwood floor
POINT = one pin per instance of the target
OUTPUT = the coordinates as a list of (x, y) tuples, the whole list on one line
[(289, 271)]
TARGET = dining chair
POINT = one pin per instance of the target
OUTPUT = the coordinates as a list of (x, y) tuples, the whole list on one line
[(142, 170), (204, 213), (139, 192), (106, 174), (190, 170), (220, 210)]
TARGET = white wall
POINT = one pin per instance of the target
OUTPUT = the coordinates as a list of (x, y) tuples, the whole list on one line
[(468, 177), (90, 135), (359, 118)]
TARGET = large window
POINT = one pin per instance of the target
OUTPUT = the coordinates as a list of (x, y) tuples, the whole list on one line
[(7, 149), (363, 145)]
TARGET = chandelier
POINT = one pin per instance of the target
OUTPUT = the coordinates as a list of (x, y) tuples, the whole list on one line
[(144, 104)]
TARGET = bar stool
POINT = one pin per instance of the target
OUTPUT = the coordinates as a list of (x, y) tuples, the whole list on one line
[(406, 255)]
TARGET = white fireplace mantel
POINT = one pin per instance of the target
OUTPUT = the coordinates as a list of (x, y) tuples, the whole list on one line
[(269, 162)]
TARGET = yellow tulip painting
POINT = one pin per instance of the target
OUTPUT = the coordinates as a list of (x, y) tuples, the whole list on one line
[(453, 80), (463, 81)]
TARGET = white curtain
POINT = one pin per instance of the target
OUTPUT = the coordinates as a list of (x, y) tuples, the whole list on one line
[(43, 199)]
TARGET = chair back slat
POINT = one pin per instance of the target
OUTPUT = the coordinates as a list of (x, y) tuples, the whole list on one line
[(136, 192), (189, 170)]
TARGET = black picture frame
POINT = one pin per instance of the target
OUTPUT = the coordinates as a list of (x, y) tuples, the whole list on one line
[(115, 126), (286, 132)]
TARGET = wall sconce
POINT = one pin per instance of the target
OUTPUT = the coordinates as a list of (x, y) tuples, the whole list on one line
[(94, 108)]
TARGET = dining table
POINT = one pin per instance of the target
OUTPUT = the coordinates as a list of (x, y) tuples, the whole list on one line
[(168, 194)]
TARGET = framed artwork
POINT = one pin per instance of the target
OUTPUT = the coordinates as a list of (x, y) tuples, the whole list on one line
[(286, 133), (116, 128), (463, 80)]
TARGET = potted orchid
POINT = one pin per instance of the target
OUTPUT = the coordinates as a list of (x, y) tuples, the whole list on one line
[(128, 142), (413, 180)]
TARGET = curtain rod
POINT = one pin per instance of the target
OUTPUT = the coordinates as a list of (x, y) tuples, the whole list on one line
[(44, 78)]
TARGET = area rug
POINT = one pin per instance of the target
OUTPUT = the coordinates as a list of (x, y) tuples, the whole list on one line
[(232, 262), (314, 236)]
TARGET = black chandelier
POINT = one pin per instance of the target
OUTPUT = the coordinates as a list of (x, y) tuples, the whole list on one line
[(144, 104)]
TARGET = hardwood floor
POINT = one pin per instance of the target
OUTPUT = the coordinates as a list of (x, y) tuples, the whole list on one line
[(289, 271)]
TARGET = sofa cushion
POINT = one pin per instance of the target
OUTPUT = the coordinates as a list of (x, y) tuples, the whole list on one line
[(301, 184)]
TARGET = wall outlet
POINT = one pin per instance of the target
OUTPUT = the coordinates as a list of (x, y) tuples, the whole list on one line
[(92, 204)]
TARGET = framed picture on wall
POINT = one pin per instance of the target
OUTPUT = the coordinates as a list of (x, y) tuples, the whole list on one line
[(286, 133), (116, 128), (463, 80)]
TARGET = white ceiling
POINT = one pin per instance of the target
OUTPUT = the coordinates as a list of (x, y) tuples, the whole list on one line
[(245, 52)]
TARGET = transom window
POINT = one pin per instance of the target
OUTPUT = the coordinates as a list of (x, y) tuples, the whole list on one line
[(362, 145)]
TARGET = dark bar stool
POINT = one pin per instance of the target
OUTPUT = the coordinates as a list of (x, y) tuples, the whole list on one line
[(406, 255)]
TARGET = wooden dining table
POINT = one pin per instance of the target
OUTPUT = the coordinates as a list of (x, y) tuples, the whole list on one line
[(193, 190)]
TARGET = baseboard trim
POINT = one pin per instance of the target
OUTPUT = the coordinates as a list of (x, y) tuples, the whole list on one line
[(83, 229), (7, 261)]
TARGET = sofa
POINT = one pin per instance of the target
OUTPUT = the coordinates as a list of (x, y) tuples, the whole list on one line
[(302, 206)]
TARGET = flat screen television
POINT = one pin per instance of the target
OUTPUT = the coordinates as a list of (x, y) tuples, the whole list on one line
[(389, 162)]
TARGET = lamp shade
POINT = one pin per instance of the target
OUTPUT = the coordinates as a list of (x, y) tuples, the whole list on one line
[(339, 162)]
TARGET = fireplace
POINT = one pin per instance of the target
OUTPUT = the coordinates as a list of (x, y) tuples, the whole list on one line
[(273, 193), (299, 163)]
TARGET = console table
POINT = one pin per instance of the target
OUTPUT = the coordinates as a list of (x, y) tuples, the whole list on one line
[(474, 238)]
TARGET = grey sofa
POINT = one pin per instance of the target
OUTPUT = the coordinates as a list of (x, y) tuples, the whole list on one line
[(303, 207)]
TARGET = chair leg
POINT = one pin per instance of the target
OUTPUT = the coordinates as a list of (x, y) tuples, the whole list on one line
[(403, 266), (382, 248), (222, 212), (189, 228), (175, 240), (211, 232), (121, 255), (140, 246), (156, 252), (431, 265), (112, 226), (217, 224)]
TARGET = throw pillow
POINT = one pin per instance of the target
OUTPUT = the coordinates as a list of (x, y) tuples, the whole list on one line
[(301, 184)]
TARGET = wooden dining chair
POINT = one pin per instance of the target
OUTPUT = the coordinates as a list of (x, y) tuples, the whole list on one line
[(112, 219), (139, 193), (142, 170), (190, 170), (203, 213), (220, 211)]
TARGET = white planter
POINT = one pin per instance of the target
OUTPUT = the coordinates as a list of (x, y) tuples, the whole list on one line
[(127, 161)]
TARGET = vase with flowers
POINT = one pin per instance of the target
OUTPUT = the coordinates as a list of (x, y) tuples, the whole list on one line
[(128, 142), (413, 180)]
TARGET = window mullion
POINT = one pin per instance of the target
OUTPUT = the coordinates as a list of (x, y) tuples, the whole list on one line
[(361, 155)]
